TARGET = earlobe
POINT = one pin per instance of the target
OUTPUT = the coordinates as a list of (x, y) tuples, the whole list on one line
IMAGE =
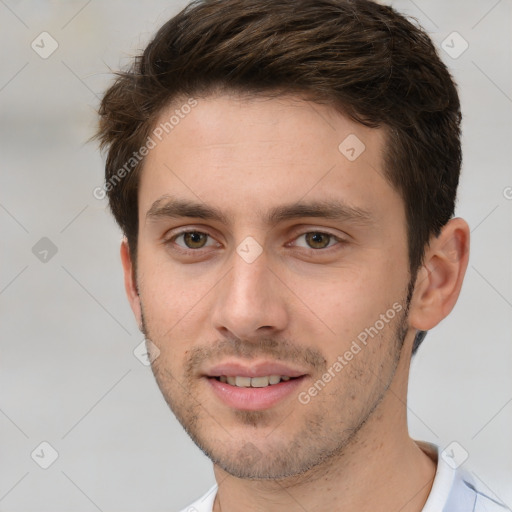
[(439, 280), (130, 283)]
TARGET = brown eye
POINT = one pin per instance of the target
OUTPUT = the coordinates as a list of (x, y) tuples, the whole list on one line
[(318, 240), (194, 239)]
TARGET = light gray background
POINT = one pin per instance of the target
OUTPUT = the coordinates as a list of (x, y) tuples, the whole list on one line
[(68, 373)]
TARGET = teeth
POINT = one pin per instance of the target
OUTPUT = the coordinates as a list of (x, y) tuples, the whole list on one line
[(259, 382), (243, 382), (254, 382)]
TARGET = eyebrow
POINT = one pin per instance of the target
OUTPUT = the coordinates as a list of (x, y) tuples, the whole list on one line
[(333, 209)]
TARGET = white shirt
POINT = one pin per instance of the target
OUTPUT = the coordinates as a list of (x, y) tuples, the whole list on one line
[(453, 490)]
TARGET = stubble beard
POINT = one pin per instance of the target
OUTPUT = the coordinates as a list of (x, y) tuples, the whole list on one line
[(317, 441)]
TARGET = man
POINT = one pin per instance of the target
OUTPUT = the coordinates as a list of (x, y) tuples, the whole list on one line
[(285, 175)]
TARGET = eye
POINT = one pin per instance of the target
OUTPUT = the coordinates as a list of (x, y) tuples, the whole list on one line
[(193, 240), (318, 240)]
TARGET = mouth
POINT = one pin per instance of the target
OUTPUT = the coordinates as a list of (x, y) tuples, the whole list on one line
[(253, 382), (254, 398), (253, 387)]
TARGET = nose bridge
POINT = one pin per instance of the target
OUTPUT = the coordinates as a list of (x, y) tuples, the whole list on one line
[(249, 277), (248, 297)]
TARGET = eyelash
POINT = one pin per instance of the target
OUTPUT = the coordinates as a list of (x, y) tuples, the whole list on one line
[(187, 251)]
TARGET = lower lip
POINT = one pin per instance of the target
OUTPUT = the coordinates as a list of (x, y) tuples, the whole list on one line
[(254, 399)]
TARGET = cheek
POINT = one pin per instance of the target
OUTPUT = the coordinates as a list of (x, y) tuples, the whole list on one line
[(354, 300), (168, 298)]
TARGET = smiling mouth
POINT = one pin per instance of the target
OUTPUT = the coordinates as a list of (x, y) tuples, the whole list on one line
[(242, 392), (253, 382)]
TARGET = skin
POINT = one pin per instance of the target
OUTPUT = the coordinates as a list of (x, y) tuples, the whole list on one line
[(348, 448)]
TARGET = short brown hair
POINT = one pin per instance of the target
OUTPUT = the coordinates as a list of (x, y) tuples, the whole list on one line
[(365, 59)]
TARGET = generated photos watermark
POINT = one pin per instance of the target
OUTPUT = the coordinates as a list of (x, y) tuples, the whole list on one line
[(343, 360), (157, 135)]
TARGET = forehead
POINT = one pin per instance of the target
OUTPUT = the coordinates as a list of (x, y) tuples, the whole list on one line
[(251, 154)]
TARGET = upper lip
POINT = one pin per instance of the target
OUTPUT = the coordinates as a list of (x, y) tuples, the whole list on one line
[(260, 369)]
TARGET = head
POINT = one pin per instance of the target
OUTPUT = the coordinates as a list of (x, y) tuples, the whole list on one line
[(268, 128)]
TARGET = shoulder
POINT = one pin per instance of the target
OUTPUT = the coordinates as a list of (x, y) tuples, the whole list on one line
[(479, 500), (204, 503), (454, 489)]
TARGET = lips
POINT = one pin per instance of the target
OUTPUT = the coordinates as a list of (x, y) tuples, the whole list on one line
[(255, 386), (254, 399), (254, 382), (261, 369)]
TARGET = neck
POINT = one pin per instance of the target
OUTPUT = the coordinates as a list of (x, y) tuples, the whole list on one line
[(381, 469)]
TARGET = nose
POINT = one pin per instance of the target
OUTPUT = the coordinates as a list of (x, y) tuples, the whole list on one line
[(250, 300)]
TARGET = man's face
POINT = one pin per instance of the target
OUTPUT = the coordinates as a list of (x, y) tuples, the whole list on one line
[(260, 295)]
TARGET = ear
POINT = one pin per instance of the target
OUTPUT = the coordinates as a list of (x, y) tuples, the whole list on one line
[(439, 279), (130, 283)]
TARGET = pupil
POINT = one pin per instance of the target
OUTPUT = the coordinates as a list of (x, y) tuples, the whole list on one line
[(316, 238), (193, 237)]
